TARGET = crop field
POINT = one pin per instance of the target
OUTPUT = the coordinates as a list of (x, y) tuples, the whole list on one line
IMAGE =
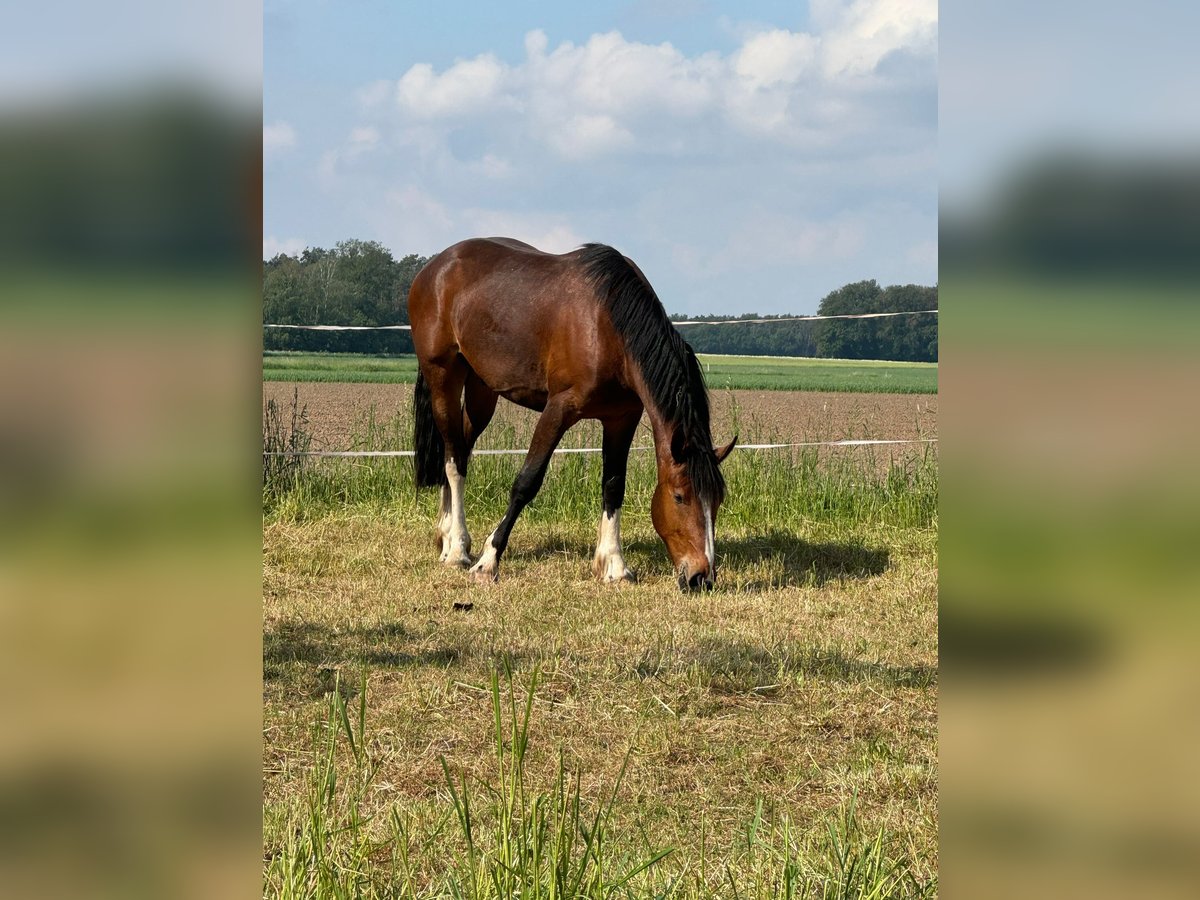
[(795, 374), (552, 736), (736, 372)]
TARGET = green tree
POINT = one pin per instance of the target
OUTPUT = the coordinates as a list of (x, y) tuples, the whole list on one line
[(356, 283), (911, 338), (849, 338)]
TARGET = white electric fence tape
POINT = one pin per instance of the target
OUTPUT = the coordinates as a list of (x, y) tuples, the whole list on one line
[(877, 315), (372, 453)]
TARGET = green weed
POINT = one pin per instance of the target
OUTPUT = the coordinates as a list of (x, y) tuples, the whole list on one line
[(499, 837)]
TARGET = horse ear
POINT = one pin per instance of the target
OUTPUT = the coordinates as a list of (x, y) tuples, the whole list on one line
[(723, 452), (678, 445)]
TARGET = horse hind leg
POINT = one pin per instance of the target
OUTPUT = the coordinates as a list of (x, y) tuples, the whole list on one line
[(443, 523), (446, 386), (479, 404)]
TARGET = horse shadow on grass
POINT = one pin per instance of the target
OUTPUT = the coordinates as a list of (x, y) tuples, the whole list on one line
[(800, 562), (736, 666), (777, 558), (756, 563), (316, 653)]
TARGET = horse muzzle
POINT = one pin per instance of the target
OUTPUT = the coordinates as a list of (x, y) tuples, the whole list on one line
[(701, 581)]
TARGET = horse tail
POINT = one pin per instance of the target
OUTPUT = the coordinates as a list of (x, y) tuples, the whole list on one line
[(429, 458)]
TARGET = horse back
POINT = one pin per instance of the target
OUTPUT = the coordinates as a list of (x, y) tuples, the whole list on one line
[(526, 322)]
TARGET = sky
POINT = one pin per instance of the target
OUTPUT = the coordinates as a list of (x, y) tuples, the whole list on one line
[(1097, 78), (750, 157)]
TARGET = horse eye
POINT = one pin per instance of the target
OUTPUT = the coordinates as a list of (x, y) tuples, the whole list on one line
[(679, 498)]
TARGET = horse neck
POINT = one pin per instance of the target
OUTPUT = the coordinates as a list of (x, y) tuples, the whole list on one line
[(661, 429)]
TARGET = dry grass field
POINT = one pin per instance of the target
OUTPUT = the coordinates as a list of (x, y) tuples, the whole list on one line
[(339, 416), (775, 737)]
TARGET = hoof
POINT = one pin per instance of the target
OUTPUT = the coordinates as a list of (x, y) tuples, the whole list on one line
[(456, 560), (484, 576), (625, 577), (456, 555), (612, 571), (487, 569)]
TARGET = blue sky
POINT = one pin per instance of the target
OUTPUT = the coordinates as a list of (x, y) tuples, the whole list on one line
[(749, 156)]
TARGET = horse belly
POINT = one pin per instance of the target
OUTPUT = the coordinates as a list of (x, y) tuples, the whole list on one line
[(511, 366), (535, 400)]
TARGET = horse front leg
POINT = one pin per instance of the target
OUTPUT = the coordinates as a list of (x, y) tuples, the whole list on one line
[(608, 564), (558, 416)]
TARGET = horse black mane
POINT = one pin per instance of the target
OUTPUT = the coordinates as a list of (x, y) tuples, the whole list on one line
[(668, 364)]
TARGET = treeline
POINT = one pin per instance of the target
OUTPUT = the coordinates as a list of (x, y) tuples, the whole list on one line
[(355, 283), (910, 338), (362, 283), (796, 338)]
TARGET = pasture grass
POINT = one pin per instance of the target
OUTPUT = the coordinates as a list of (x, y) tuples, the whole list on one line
[(549, 736), (736, 372)]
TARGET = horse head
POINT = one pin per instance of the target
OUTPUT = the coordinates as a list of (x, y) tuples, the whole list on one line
[(684, 517)]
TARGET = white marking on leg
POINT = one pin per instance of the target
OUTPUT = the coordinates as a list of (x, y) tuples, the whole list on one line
[(459, 540), (609, 563), (443, 524), (486, 568), (710, 549)]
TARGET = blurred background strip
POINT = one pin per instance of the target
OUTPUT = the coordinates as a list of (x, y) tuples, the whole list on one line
[(130, 211), (1070, 249)]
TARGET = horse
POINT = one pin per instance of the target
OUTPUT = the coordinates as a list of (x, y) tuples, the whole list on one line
[(578, 335)]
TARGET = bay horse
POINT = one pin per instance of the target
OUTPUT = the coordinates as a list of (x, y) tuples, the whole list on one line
[(578, 335)]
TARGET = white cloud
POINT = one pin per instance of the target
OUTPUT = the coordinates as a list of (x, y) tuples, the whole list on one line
[(273, 246), (584, 136), (536, 43), (858, 35), (609, 94), (278, 137), (774, 57), (617, 77), (464, 88)]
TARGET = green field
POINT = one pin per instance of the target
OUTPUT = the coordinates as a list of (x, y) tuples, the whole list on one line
[(740, 372)]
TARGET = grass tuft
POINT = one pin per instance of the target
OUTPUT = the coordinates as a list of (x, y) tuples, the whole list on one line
[(285, 439), (498, 837)]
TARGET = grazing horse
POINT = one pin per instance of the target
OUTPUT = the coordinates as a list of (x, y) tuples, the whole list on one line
[(580, 335)]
